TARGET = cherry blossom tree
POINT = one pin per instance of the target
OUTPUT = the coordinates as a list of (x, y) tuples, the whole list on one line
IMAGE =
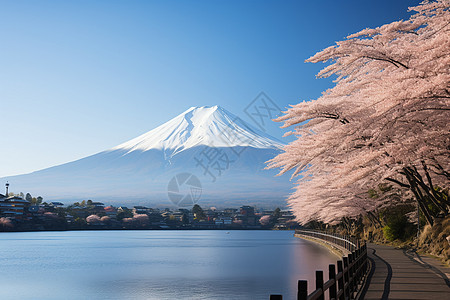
[(5, 223), (93, 220), (141, 219), (385, 120), (127, 220), (265, 220), (105, 219)]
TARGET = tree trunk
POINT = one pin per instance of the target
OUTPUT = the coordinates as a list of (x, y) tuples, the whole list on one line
[(419, 197), (374, 220), (429, 190)]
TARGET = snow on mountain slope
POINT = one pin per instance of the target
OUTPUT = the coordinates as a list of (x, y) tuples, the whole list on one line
[(208, 126)]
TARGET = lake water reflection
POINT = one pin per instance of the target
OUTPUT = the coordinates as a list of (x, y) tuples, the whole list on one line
[(156, 264)]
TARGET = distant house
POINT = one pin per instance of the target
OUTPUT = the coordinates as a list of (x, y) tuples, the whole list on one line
[(247, 216), (122, 208), (97, 207), (110, 211), (179, 215), (247, 210), (13, 207), (46, 207), (69, 218), (223, 221), (141, 210), (2, 198), (230, 211)]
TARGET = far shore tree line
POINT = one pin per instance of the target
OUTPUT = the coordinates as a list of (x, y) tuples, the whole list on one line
[(87, 214)]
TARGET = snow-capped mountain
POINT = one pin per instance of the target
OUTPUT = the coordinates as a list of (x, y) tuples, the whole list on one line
[(201, 126), (218, 155)]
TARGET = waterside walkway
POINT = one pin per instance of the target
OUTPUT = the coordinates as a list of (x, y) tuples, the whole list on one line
[(401, 274)]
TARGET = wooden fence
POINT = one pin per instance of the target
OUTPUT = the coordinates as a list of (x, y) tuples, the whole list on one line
[(343, 283), (344, 241)]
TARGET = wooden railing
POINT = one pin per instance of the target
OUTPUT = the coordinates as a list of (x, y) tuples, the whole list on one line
[(351, 271), (344, 241)]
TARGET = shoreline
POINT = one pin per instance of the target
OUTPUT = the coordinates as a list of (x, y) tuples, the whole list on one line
[(147, 229)]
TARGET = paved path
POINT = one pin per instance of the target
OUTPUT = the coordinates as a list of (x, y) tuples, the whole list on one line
[(399, 274)]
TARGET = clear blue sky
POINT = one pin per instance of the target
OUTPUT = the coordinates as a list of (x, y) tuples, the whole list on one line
[(79, 77)]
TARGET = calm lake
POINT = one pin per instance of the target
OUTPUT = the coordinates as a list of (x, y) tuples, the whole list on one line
[(156, 264)]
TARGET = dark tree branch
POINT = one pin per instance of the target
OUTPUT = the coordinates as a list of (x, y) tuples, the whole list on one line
[(443, 172), (418, 178), (333, 116), (430, 183), (419, 196), (399, 183), (390, 60)]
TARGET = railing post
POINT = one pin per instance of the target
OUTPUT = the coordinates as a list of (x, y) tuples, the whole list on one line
[(350, 275), (359, 264), (357, 261), (346, 277), (365, 259), (341, 281), (276, 297), (302, 292), (332, 275), (319, 284)]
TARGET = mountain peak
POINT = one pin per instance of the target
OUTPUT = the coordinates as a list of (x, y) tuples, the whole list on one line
[(211, 126), (214, 107), (204, 110)]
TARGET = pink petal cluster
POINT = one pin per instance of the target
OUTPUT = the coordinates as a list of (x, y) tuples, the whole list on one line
[(264, 220), (388, 109), (141, 218), (6, 223), (93, 219), (105, 219)]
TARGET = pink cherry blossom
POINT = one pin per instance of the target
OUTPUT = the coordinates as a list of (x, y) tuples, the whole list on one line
[(387, 115)]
